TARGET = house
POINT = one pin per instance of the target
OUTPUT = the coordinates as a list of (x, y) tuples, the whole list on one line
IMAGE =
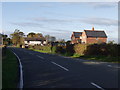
[(76, 37), (93, 36), (34, 41), (89, 37)]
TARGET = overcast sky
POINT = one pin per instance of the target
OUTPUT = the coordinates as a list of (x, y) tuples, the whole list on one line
[(60, 19)]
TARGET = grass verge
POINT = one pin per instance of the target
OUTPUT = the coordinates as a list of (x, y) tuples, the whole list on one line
[(102, 58), (39, 50), (91, 57), (10, 69)]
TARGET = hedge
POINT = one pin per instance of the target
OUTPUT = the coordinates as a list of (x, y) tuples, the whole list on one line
[(83, 49)]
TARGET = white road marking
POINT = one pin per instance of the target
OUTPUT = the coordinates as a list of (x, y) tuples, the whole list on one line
[(40, 57), (21, 71), (60, 66), (97, 86), (31, 53), (109, 65)]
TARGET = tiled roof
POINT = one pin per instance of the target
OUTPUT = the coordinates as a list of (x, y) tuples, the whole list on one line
[(77, 34), (95, 33), (34, 39)]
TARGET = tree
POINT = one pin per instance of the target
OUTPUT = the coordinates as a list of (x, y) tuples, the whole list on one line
[(17, 37), (50, 38), (61, 40), (111, 42), (4, 39), (32, 34), (38, 35)]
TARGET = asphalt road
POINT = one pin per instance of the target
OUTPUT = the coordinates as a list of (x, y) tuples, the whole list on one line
[(42, 70)]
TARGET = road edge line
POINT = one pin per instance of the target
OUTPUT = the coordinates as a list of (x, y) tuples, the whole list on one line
[(97, 86), (21, 71)]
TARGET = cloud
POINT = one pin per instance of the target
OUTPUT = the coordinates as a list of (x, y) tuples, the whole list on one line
[(101, 21), (27, 24), (93, 4), (103, 4), (42, 19), (47, 5)]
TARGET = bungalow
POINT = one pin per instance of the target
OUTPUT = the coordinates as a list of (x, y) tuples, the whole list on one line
[(94, 36), (34, 41), (75, 38)]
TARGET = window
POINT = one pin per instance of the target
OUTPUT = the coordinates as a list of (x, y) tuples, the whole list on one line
[(96, 38)]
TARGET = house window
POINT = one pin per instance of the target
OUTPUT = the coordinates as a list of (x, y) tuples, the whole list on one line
[(96, 38), (80, 37), (73, 38), (79, 40)]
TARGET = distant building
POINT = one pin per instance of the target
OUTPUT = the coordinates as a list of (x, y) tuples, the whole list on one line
[(34, 41), (0, 39), (92, 36), (76, 37)]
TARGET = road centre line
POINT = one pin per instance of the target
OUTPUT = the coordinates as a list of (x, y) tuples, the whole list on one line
[(31, 53), (97, 86), (109, 65), (60, 66), (40, 57)]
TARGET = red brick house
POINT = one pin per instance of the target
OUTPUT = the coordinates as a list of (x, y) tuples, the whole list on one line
[(94, 36), (75, 38), (89, 37)]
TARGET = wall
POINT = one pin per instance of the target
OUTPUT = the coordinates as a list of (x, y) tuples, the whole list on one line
[(84, 37), (91, 40)]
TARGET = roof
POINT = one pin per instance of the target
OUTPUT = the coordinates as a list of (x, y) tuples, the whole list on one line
[(77, 34), (95, 33), (34, 39)]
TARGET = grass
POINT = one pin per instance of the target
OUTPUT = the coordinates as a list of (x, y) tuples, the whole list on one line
[(40, 50), (102, 58), (91, 57), (9, 70)]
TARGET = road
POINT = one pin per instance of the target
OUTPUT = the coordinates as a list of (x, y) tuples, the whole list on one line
[(42, 70)]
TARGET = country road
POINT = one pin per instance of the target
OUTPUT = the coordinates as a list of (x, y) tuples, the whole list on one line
[(42, 70)]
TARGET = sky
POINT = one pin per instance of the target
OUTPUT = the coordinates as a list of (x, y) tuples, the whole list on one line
[(60, 19)]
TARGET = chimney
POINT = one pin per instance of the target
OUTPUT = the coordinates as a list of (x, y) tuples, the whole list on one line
[(92, 28)]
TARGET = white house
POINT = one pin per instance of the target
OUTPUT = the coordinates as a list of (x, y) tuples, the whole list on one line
[(34, 41)]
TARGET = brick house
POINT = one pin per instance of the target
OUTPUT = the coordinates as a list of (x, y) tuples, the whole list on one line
[(75, 38), (89, 37), (94, 36)]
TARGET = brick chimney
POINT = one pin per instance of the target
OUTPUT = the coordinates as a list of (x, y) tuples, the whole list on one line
[(92, 28)]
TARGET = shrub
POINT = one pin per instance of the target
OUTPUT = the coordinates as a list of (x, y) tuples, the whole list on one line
[(70, 49), (80, 48), (60, 50), (54, 49), (43, 48)]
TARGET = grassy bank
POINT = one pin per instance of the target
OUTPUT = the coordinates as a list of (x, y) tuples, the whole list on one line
[(91, 57), (39, 50), (99, 58), (10, 69)]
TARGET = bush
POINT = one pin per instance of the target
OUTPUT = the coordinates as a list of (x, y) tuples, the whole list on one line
[(97, 49), (54, 49), (43, 48), (102, 49), (60, 50), (80, 48), (70, 49)]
